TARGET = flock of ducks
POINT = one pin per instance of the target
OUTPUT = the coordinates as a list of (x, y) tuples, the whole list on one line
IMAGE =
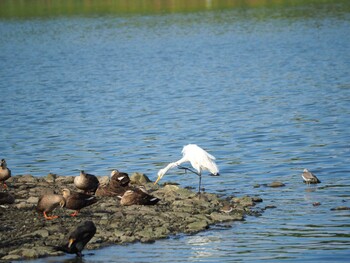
[(89, 188), (118, 186)]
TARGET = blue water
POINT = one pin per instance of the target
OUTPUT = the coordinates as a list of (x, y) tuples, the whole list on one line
[(267, 94)]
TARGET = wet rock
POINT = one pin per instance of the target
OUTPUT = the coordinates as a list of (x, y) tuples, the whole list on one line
[(28, 178), (340, 208), (244, 201), (33, 200), (269, 207), (139, 179), (276, 184), (257, 199), (197, 226), (51, 177)]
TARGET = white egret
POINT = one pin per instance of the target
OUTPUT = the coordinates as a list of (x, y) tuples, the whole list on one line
[(199, 159)]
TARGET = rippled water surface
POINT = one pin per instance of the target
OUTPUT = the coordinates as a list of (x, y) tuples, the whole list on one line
[(265, 90)]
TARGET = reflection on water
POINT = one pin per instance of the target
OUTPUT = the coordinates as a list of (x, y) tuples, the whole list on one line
[(265, 90), (43, 8)]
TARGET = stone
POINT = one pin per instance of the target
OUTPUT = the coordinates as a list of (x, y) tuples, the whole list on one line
[(197, 226), (41, 233), (51, 177), (33, 200), (28, 178), (276, 184), (340, 208), (139, 179)]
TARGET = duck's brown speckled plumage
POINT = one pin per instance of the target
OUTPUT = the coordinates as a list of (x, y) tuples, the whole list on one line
[(138, 197), (86, 182), (47, 203), (118, 185), (5, 173), (76, 201)]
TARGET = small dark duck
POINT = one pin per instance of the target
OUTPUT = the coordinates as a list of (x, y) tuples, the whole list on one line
[(5, 173), (309, 178), (86, 182), (137, 197), (47, 203), (77, 201), (117, 185), (120, 178), (78, 238)]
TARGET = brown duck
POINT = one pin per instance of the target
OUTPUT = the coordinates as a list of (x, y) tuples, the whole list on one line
[(86, 182), (76, 201), (5, 173), (137, 197), (78, 238), (118, 184), (47, 203)]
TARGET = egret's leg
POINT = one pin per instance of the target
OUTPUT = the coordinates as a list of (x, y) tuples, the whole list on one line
[(200, 182)]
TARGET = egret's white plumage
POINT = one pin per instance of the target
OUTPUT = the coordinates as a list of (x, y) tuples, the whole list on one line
[(199, 159)]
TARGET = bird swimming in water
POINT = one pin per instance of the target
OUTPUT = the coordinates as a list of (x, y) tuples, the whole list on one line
[(309, 177), (5, 173), (138, 197), (78, 238), (77, 201), (86, 182), (48, 202), (199, 159)]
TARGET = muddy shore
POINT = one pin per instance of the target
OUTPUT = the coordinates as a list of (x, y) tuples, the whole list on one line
[(25, 234)]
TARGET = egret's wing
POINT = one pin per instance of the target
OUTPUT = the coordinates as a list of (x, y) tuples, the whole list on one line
[(200, 159)]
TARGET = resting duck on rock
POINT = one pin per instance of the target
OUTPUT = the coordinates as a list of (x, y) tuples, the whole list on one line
[(77, 201), (118, 184), (137, 197), (86, 182), (5, 173)]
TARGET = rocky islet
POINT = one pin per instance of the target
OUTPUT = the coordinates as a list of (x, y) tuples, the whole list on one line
[(25, 234)]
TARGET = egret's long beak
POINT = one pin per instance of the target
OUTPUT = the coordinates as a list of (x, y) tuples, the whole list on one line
[(157, 180), (70, 242)]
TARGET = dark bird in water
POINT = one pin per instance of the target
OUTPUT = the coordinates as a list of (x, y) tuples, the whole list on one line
[(78, 238), (47, 203), (76, 201), (117, 185), (309, 177), (5, 173), (199, 159), (86, 182), (138, 197)]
